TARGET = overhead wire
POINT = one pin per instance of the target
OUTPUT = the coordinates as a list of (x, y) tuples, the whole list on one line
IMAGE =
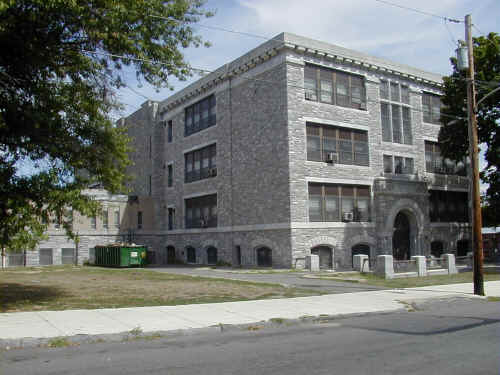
[(454, 20)]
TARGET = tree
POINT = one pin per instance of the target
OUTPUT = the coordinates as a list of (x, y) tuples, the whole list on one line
[(453, 136), (60, 66)]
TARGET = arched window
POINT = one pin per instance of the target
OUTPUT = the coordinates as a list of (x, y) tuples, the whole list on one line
[(264, 257), (436, 249), (190, 254), (212, 255)]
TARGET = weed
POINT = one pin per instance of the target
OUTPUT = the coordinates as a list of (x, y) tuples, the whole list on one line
[(493, 299), (59, 342), (254, 328), (277, 320), (136, 331)]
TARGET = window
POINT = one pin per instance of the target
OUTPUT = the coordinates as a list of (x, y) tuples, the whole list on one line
[(117, 218), (435, 163), (334, 87), (170, 175), (150, 147), (331, 202), (139, 220), (105, 219), (93, 222), (170, 132), (200, 164), (201, 212), (395, 113), (67, 256), (150, 185), (398, 165), (45, 257), (448, 206), (199, 116), (171, 216), (431, 106), (348, 146)]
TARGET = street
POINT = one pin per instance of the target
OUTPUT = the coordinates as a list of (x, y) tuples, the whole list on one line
[(458, 336)]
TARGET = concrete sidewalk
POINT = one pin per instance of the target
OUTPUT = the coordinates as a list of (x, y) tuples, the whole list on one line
[(48, 324)]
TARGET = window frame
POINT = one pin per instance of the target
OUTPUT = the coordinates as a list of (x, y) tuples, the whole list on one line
[(395, 98), (354, 86), (195, 158), (341, 140), (404, 159), (341, 198), (194, 121), (435, 163), (194, 209), (429, 116)]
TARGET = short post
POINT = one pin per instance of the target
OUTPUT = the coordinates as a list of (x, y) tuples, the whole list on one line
[(449, 263), (385, 266), (421, 265), (312, 263), (360, 263)]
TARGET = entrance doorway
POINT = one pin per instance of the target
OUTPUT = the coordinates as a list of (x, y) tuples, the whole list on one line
[(264, 257), (360, 249), (437, 249), (325, 256), (463, 247), (191, 254), (401, 237), (211, 255), (170, 255)]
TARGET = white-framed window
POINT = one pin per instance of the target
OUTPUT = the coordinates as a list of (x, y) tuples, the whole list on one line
[(395, 112)]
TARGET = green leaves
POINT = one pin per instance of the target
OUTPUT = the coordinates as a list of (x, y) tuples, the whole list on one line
[(453, 135), (60, 68)]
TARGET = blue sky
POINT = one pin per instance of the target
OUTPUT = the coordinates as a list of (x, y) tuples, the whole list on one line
[(367, 26)]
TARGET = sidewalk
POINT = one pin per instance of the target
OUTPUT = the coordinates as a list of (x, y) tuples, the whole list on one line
[(47, 324)]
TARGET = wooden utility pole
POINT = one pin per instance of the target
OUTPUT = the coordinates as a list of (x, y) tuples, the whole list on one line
[(477, 237)]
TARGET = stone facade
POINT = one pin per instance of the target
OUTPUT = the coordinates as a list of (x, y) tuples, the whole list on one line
[(263, 172), (262, 167)]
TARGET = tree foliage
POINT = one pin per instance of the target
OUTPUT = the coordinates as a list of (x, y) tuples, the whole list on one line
[(60, 66), (453, 136)]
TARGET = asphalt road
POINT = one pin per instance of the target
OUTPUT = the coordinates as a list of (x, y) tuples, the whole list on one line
[(459, 336), (293, 279)]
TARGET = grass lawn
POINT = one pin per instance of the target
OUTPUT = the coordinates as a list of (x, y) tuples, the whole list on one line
[(410, 282), (69, 287)]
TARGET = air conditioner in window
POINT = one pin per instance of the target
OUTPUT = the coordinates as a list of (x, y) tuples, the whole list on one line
[(212, 172), (310, 95), (362, 105), (347, 216), (332, 157)]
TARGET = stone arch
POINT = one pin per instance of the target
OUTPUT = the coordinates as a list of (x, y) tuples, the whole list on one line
[(323, 242), (262, 242), (361, 239), (407, 205), (435, 249)]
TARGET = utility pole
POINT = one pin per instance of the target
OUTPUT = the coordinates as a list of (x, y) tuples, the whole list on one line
[(477, 237)]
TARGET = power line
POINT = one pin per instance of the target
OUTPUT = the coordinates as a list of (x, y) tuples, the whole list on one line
[(214, 28), (454, 42), (454, 20)]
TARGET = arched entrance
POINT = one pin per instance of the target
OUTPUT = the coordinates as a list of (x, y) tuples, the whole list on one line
[(211, 255), (437, 249), (325, 256), (401, 242), (264, 257), (359, 249)]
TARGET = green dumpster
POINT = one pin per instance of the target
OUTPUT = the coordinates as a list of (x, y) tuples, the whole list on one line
[(120, 256)]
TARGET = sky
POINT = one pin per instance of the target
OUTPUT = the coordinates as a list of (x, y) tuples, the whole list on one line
[(370, 26)]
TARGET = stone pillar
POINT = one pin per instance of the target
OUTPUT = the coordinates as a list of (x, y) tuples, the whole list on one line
[(360, 263), (421, 265), (449, 263), (312, 263), (385, 266)]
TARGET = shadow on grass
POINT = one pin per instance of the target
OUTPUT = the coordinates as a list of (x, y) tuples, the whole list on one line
[(14, 296)]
